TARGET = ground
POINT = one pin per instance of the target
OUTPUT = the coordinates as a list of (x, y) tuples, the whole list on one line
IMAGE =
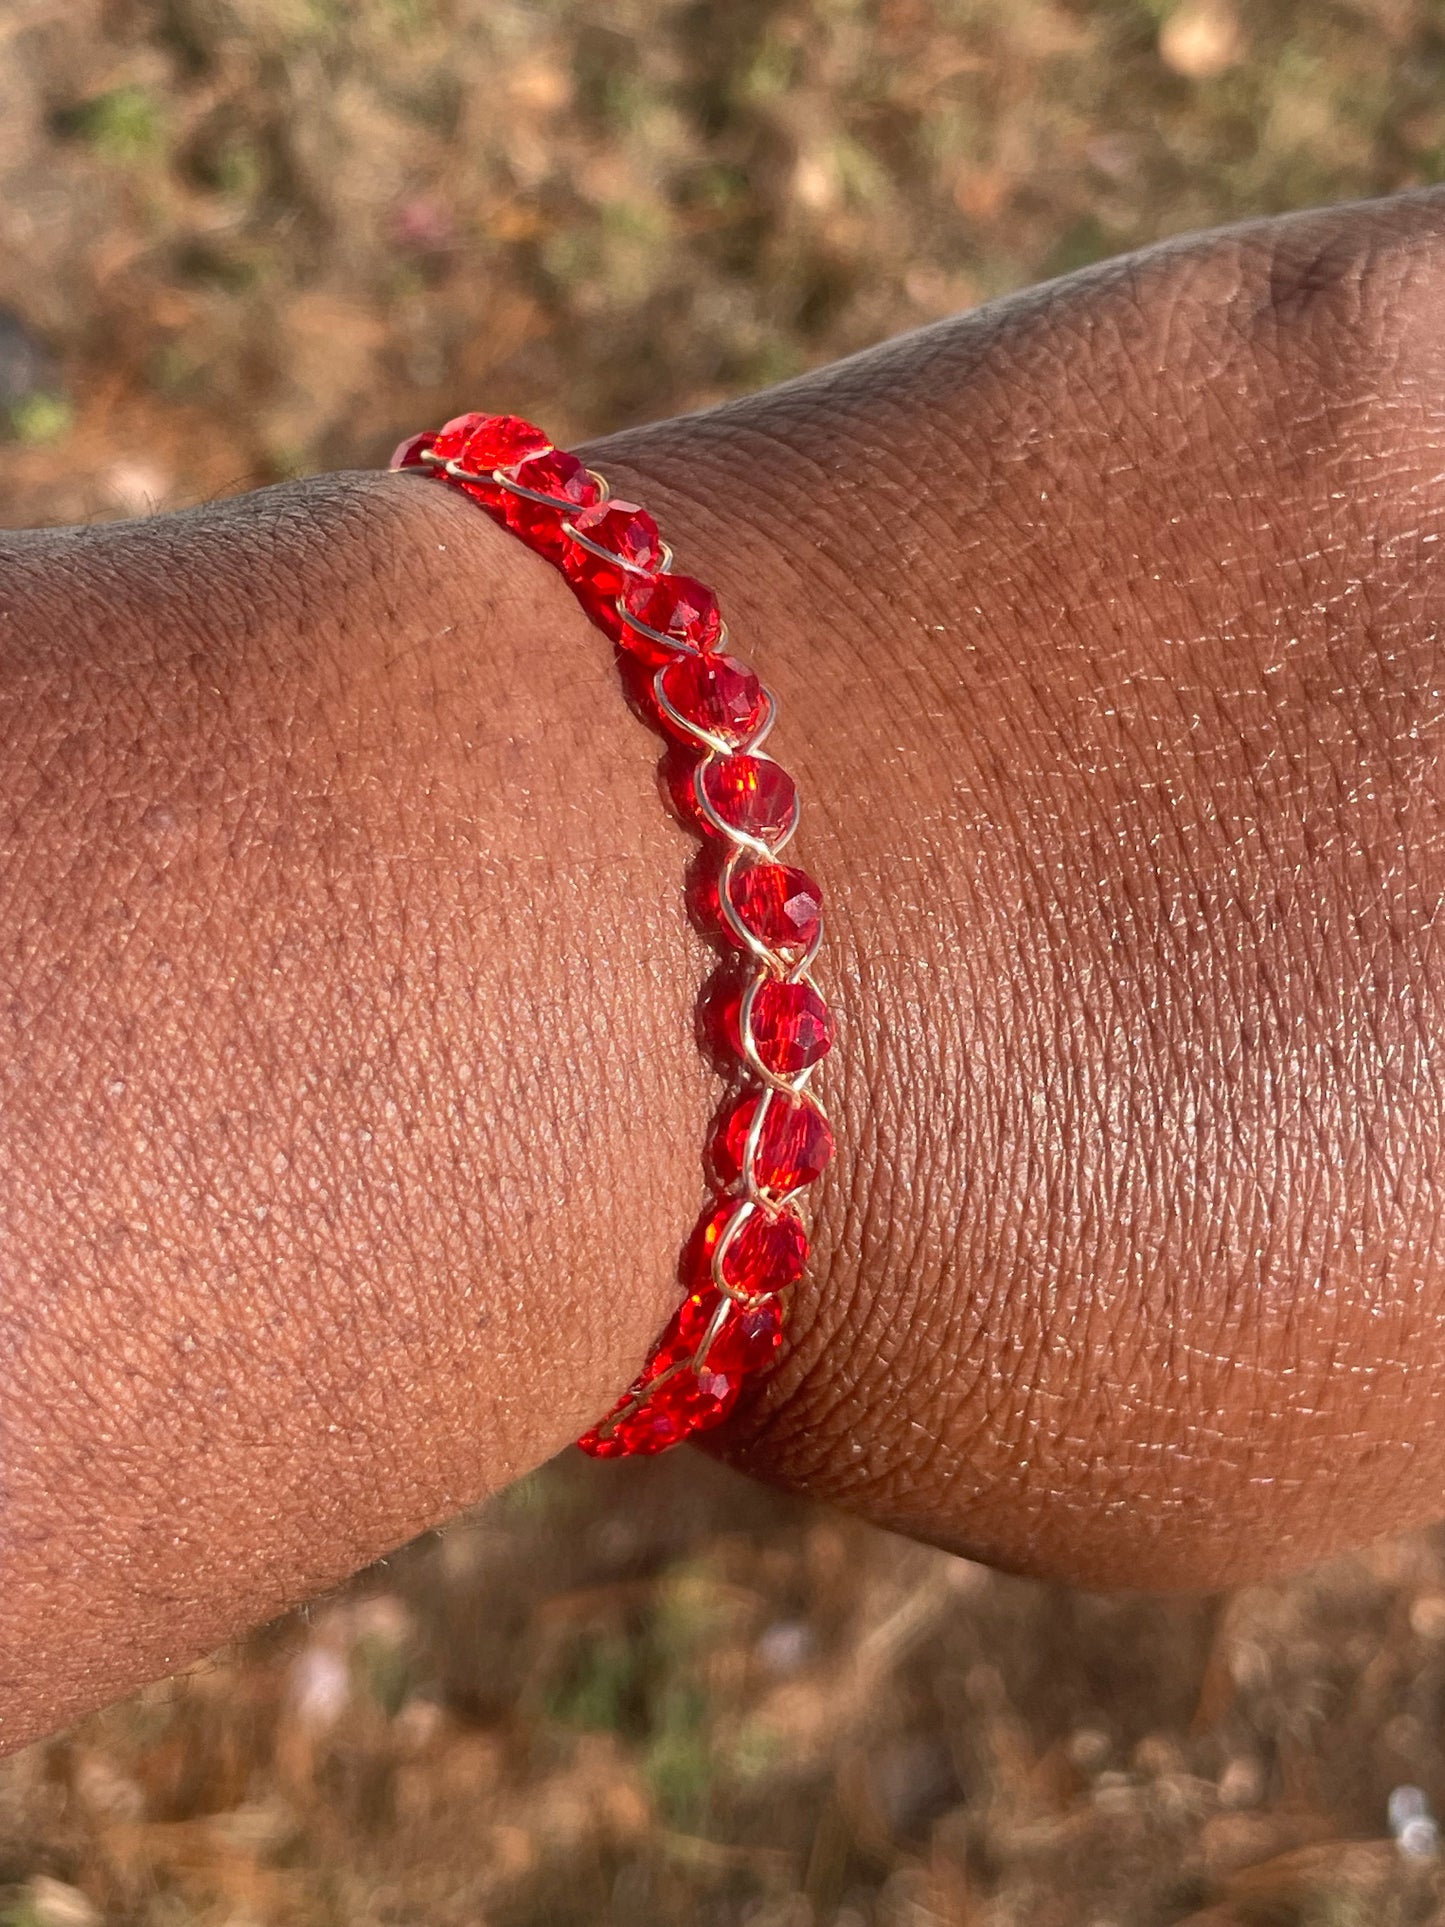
[(242, 239)]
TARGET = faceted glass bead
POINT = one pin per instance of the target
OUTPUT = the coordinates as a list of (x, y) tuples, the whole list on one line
[(688, 1326), (783, 907), (795, 1144), (484, 442), (663, 1420), (752, 793), (561, 476), (718, 693), (685, 1403), (747, 1339), (766, 1253), (624, 530), (448, 440), (675, 605), (792, 1026), (558, 474), (408, 454)]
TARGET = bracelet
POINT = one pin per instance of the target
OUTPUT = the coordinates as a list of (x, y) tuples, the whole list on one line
[(774, 1138)]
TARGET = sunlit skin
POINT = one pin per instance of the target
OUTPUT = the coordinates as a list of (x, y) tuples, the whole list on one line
[(353, 1104)]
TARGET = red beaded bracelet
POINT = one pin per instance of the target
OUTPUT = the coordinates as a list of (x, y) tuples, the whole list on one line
[(774, 1139)]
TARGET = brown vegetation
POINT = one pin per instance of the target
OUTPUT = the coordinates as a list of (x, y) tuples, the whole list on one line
[(246, 238)]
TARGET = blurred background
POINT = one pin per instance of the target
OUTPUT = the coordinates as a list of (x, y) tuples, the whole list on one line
[(247, 239)]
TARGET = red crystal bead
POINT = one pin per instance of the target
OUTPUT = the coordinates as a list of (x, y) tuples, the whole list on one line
[(408, 454), (623, 530), (484, 442), (783, 907), (678, 1401), (685, 1404), (450, 436), (745, 1342), (792, 1027), (795, 1144), (688, 1399), (562, 476), (766, 1252), (674, 605), (686, 1329), (557, 474), (718, 693), (747, 1339), (752, 793)]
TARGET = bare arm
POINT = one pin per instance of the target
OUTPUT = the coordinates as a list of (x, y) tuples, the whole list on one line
[(335, 1188)]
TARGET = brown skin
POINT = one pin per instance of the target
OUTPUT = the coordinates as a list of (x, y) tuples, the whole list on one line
[(335, 1189)]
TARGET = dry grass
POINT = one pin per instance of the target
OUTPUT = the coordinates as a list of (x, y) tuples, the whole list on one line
[(263, 236), (652, 1695), (246, 238)]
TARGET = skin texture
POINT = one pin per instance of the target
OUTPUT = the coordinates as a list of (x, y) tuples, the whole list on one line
[(335, 1190)]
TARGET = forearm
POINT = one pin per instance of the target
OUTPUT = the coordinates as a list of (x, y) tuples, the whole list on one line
[(337, 894)]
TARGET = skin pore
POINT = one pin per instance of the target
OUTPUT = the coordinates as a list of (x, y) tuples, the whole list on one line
[(335, 1189)]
